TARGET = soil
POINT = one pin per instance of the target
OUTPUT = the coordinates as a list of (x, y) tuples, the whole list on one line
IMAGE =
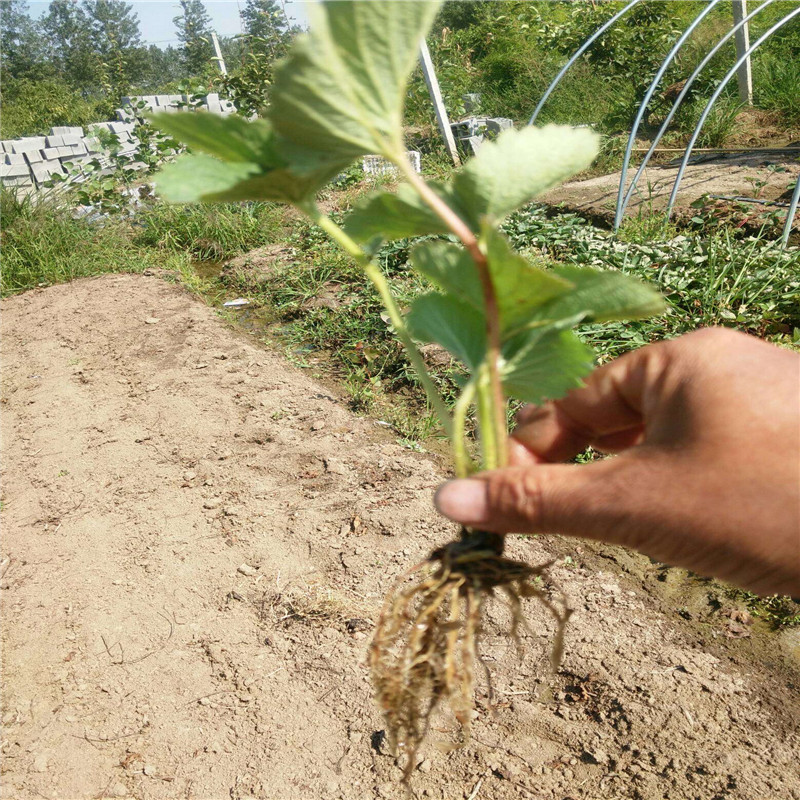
[(760, 175), (197, 539)]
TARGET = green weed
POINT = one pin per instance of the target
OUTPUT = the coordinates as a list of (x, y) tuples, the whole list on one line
[(43, 244), (212, 232)]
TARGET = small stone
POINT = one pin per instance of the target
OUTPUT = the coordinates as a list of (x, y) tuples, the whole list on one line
[(149, 770), (40, 763), (208, 482), (598, 756), (212, 502), (151, 321), (246, 569), (204, 701), (426, 765), (119, 790), (318, 425), (189, 476)]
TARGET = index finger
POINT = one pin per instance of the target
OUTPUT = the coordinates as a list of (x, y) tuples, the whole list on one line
[(607, 412)]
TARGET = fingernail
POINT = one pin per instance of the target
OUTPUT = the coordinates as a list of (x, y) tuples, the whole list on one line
[(463, 501)]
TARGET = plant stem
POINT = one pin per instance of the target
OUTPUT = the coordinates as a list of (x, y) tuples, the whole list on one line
[(487, 417), (463, 463), (380, 283), (493, 340)]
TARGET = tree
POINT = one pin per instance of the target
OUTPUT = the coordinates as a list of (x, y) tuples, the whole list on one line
[(114, 24), (116, 40), (266, 26), (68, 41), (20, 44), (194, 31)]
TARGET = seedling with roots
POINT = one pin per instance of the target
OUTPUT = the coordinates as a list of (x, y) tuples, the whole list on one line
[(339, 96)]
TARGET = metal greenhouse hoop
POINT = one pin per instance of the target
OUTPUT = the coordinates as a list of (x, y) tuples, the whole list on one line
[(578, 53), (676, 105), (643, 107), (740, 26), (707, 110)]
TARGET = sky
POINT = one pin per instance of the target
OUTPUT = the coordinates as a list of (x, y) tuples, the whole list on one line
[(155, 17)]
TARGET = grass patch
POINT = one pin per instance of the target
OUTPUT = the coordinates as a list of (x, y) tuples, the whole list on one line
[(43, 244), (210, 232)]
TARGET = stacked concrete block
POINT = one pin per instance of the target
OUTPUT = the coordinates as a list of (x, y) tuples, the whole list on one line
[(32, 160), (213, 103), (473, 131), (45, 170), (27, 145), (14, 171), (378, 165), (66, 131)]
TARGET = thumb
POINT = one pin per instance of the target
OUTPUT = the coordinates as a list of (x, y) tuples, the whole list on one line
[(598, 501)]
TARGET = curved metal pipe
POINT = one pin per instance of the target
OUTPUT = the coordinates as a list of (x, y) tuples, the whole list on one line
[(688, 154), (643, 107), (689, 81), (787, 228), (583, 48)]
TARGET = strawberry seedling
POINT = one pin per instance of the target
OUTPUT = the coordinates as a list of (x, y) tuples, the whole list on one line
[(336, 97)]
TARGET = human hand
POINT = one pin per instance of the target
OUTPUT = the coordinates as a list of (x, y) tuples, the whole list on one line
[(707, 476)]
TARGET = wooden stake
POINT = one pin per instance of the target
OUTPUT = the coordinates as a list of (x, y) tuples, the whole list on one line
[(744, 75), (219, 59), (438, 104)]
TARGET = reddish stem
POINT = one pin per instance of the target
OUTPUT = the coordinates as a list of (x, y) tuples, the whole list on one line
[(493, 343)]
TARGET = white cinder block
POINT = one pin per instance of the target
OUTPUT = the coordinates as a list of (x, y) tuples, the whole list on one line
[(27, 144), (14, 170), (33, 157)]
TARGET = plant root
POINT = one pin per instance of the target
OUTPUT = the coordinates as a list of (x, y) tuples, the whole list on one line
[(427, 640)]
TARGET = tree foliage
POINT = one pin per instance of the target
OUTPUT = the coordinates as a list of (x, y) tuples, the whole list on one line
[(194, 32)]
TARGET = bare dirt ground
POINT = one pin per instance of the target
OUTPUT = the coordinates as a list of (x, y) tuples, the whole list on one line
[(764, 176), (196, 537)]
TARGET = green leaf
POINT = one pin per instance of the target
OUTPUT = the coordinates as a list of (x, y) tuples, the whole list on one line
[(546, 364), (341, 89), (518, 165), (450, 322), (201, 178), (229, 138), (519, 286), (192, 179), (449, 267), (394, 216), (602, 296)]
